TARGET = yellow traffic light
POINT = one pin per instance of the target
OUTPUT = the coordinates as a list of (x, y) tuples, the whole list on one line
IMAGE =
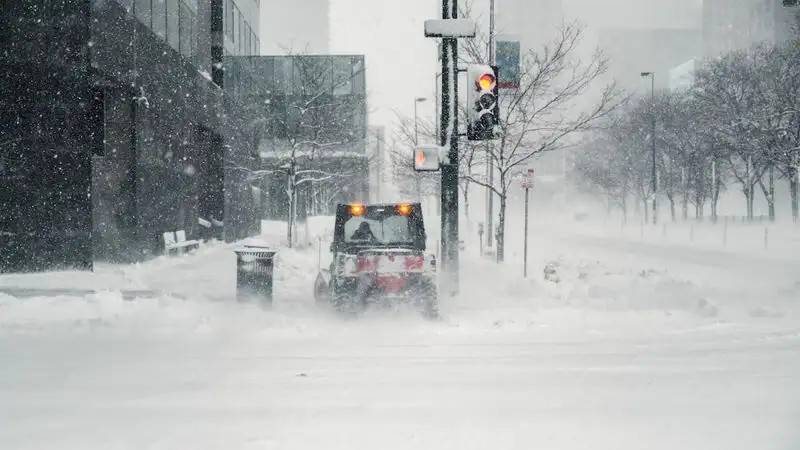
[(486, 81)]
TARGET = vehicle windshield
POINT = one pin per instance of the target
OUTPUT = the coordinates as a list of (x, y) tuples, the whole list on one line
[(379, 229)]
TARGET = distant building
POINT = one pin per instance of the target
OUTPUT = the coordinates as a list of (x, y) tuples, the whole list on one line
[(682, 76), (112, 128), (633, 51), (730, 25), (303, 28), (312, 106), (536, 22)]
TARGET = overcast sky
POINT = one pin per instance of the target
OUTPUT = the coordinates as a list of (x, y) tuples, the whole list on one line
[(401, 62)]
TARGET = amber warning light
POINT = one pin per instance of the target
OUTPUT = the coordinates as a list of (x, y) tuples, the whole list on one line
[(357, 210), (404, 210)]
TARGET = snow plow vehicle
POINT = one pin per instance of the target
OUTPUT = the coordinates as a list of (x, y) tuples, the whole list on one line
[(379, 257)]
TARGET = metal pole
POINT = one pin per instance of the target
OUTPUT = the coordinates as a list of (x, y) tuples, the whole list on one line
[(491, 32), (449, 183), (525, 245), (416, 143), (416, 132), (653, 139), (489, 161), (438, 126)]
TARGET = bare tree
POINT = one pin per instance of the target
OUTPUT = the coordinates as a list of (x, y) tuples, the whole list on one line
[(542, 115), (305, 133), (732, 99), (601, 169), (782, 84)]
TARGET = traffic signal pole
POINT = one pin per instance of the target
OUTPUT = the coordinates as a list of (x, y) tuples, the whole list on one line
[(489, 161), (449, 132)]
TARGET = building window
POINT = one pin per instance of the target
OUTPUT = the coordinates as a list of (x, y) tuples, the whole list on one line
[(128, 4), (240, 34), (159, 26), (229, 19), (173, 21), (283, 75), (186, 29), (266, 75), (249, 45), (142, 10), (342, 76), (235, 23), (359, 84)]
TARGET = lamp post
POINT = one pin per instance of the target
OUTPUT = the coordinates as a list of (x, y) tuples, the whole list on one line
[(654, 180), (417, 100)]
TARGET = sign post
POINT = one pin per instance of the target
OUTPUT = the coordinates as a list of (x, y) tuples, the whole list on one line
[(480, 236), (527, 184)]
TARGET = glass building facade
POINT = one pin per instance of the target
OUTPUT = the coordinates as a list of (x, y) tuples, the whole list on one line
[(116, 133), (333, 90)]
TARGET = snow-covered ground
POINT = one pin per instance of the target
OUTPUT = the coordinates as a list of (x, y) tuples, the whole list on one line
[(626, 343)]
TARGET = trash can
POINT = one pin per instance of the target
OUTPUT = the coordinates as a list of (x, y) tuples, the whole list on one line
[(254, 273)]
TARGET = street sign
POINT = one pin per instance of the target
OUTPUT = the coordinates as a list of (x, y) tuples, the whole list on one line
[(450, 28), (527, 181)]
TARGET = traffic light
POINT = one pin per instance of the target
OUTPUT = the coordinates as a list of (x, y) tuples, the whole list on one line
[(483, 106)]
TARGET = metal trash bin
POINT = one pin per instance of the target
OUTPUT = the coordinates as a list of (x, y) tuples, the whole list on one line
[(254, 273)]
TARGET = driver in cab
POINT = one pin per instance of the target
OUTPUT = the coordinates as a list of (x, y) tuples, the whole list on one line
[(363, 233)]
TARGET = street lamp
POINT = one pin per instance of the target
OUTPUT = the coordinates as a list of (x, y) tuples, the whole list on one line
[(417, 100), (653, 181)]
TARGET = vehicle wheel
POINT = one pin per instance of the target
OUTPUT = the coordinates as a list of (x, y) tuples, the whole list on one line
[(428, 300), (321, 291), (430, 306)]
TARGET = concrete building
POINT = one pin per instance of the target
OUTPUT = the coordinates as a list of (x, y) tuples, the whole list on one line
[(115, 134), (730, 25)]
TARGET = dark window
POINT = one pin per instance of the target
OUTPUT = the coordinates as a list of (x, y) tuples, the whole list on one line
[(160, 18), (249, 45), (240, 35), (266, 75), (142, 8), (278, 113), (128, 4), (229, 19), (342, 76), (226, 8), (283, 75), (186, 30), (97, 122), (235, 23), (173, 20), (359, 84)]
